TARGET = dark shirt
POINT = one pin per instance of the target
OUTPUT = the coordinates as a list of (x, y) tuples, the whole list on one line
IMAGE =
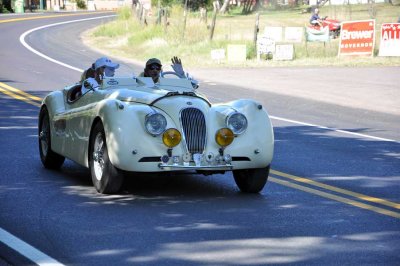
[(314, 17)]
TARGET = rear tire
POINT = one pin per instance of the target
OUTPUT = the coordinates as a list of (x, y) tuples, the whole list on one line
[(106, 178), (251, 180), (50, 159)]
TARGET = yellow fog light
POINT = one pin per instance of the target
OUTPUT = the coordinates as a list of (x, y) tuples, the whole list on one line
[(171, 137), (224, 137)]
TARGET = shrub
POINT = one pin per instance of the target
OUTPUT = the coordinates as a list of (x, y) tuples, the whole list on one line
[(81, 4), (124, 13)]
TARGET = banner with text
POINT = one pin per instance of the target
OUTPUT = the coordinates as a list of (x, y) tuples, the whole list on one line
[(390, 40), (357, 38)]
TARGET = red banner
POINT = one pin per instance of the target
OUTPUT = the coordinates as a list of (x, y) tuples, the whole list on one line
[(357, 38)]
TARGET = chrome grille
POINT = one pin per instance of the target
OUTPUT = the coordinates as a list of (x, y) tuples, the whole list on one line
[(194, 129)]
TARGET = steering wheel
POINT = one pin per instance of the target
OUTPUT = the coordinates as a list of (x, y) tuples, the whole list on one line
[(163, 74)]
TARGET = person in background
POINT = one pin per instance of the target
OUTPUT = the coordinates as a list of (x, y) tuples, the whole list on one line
[(315, 19)]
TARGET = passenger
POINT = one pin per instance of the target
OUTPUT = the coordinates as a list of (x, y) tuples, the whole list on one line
[(96, 80), (109, 72)]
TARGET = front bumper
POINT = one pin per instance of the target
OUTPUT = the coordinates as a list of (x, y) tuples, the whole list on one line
[(192, 166)]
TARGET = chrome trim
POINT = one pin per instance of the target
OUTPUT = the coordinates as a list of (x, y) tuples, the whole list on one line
[(146, 118), (194, 129), (203, 167), (229, 116)]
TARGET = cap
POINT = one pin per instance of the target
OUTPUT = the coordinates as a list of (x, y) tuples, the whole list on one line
[(105, 62), (152, 61)]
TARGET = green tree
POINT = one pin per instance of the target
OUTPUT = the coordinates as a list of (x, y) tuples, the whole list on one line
[(5, 6)]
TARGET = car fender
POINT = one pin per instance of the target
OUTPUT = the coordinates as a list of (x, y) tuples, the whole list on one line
[(257, 143), (126, 136), (54, 103)]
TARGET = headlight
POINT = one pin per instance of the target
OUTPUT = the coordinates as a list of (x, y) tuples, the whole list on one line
[(155, 123), (224, 137), (171, 137), (237, 122)]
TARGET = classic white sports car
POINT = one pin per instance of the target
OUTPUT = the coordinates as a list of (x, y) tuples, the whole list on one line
[(134, 125)]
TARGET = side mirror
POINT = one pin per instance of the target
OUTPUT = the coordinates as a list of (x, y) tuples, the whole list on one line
[(195, 84)]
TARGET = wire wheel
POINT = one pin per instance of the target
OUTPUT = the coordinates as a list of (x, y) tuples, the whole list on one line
[(49, 158), (106, 178)]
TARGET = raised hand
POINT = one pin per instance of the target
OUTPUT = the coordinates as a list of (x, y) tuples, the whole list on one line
[(177, 66)]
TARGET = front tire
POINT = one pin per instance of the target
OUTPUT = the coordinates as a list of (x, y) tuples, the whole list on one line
[(50, 159), (106, 178), (251, 180)]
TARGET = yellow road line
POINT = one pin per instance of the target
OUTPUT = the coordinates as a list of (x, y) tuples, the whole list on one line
[(18, 97), (20, 92), (51, 16), (336, 198), (339, 190)]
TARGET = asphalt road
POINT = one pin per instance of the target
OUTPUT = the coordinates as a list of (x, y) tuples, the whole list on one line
[(332, 197)]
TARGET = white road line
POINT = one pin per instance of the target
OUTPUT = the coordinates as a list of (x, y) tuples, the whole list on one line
[(333, 129), (27, 250), (18, 127), (27, 46), (8, 239)]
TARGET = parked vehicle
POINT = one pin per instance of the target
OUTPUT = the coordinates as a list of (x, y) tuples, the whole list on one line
[(134, 125)]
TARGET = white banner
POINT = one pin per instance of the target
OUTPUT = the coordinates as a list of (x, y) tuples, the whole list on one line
[(284, 52), (294, 34), (274, 33), (390, 40)]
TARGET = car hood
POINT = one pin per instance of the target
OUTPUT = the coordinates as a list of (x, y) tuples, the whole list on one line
[(129, 95)]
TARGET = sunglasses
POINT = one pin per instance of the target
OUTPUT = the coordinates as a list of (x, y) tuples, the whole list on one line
[(155, 67)]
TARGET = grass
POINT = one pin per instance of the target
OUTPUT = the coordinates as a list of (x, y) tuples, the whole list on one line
[(127, 37)]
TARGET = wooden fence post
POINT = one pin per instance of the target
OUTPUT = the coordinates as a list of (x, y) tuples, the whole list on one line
[(256, 28), (213, 25)]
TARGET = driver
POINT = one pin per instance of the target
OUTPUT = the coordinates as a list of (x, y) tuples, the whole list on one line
[(315, 19), (153, 69)]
